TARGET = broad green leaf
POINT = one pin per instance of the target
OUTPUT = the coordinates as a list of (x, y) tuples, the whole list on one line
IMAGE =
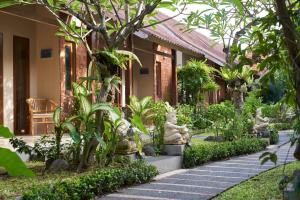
[(138, 142), (5, 4), (100, 140), (239, 6), (85, 105), (102, 106), (69, 126), (131, 55), (56, 116), (79, 89), (13, 164), (137, 122), (5, 132), (75, 137)]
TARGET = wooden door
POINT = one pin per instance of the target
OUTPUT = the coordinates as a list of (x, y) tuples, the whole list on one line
[(21, 84), (158, 80), (1, 78)]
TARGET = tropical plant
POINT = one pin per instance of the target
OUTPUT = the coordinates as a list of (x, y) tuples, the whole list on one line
[(10, 161), (195, 78), (83, 124), (238, 81), (141, 108)]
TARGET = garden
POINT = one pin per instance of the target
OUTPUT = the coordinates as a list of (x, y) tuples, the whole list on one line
[(107, 146)]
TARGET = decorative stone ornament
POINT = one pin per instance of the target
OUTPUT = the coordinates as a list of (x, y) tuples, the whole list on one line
[(175, 134), (261, 123)]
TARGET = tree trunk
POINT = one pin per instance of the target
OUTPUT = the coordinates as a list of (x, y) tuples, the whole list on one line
[(238, 100), (292, 41)]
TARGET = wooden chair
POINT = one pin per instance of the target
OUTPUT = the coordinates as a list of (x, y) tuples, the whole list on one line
[(40, 112)]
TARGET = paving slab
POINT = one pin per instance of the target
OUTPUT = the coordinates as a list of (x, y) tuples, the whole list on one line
[(206, 181)]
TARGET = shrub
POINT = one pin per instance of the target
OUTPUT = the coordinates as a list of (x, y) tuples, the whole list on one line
[(252, 102), (184, 114), (202, 153), (281, 126), (93, 184), (274, 136), (271, 111)]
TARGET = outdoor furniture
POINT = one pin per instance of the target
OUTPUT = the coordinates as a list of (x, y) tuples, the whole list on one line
[(40, 112)]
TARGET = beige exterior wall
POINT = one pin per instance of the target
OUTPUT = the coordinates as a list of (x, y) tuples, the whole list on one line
[(48, 79), (44, 73), (143, 84)]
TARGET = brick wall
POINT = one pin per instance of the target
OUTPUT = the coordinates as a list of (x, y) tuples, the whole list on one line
[(166, 72)]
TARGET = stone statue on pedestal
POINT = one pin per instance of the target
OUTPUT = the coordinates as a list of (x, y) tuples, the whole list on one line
[(126, 145), (175, 134), (261, 123)]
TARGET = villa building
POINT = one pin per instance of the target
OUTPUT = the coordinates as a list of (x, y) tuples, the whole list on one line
[(36, 63)]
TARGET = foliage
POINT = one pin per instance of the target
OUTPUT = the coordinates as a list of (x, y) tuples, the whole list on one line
[(184, 114), (271, 111), (159, 111), (274, 136), (263, 186), (43, 149), (93, 184), (195, 78), (141, 107), (202, 153), (10, 161), (252, 103), (281, 126)]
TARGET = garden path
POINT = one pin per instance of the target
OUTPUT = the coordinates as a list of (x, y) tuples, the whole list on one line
[(206, 181)]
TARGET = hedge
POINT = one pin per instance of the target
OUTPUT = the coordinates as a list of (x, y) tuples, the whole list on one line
[(202, 153), (93, 184)]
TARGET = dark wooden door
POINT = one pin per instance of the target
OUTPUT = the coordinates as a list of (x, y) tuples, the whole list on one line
[(158, 80), (1, 78), (21, 84)]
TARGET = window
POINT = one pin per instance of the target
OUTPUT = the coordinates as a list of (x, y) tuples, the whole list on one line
[(69, 65)]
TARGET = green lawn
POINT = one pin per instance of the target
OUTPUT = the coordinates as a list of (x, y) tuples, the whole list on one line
[(11, 187), (261, 187)]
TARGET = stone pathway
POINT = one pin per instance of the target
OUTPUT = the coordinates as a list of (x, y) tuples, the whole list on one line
[(206, 181)]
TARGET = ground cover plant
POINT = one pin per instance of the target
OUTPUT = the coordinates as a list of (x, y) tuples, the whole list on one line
[(202, 152), (262, 186), (82, 186)]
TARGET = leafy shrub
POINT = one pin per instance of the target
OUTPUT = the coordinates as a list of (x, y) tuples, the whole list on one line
[(271, 111), (194, 78), (252, 102), (281, 126), (94, 183), (274, 136), (204, 152), (184, 114)]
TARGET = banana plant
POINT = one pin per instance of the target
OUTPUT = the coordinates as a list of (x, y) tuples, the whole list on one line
[(10, 161)]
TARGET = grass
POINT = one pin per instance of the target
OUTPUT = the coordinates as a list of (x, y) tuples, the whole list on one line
[(11, 187), (199, 141), (261, 187)]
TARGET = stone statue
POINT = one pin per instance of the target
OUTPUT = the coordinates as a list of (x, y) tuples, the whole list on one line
[(175, 134), (261, 123), (126, 144)]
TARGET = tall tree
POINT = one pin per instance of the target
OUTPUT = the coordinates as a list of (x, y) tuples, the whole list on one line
[(229, 23)]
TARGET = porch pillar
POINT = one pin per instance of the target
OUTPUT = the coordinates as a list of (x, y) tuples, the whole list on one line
[(128, 73), (174, 94)]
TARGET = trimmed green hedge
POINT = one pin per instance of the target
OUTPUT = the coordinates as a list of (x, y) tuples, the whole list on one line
[(202, 153), (93, 184)]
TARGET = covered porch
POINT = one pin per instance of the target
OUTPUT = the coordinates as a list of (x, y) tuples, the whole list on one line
[(37, 64)]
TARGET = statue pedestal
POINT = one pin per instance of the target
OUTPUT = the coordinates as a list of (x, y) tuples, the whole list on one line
[(174, 149)]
